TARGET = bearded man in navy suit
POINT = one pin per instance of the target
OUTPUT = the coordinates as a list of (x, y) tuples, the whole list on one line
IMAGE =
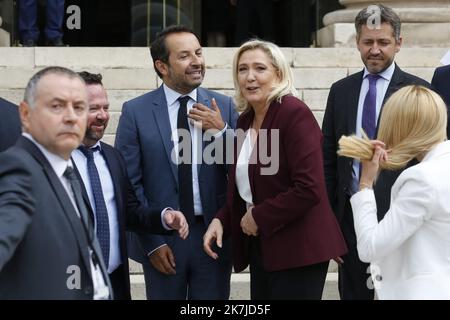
[(114, 205), (175, 269)]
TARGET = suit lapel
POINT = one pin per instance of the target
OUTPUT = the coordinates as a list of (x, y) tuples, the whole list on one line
[(395, 83), (63, 198), (352, 101), (84, 192), (113, 166), (162, 120)]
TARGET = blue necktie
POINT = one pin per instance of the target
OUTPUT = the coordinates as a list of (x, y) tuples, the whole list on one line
[(370, 107), (101, 212), (186, 197)]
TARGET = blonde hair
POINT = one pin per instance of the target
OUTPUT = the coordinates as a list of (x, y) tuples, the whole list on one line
[(284, 87), (413, 120)]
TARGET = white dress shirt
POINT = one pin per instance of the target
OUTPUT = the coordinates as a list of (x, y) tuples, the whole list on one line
[(409, 250), (173, 105), (382, 86), (196, 137), (59, 165), (80, 160), (242, 178)]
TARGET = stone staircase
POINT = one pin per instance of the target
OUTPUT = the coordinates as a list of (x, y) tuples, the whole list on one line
[(240, 283), (128, 72)]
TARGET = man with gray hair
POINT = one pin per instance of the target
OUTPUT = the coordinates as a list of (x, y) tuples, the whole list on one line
[(48, 248), (354, 105)]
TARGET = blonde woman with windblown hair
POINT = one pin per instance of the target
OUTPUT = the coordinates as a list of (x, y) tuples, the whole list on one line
[(409, 250)]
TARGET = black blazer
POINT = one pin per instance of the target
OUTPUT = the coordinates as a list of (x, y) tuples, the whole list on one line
[(340, 119), (131, 215), (441, 84), (44, 250), (10, 127)]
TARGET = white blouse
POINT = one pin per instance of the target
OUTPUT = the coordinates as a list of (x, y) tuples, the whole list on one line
[(242, 179)]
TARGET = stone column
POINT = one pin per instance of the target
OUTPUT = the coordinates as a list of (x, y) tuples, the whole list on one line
[(424, 23)]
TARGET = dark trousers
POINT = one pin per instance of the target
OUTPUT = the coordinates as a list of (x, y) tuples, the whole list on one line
[(302, 283), (198, 276), (354, 275), (28, 27), (119, 284)]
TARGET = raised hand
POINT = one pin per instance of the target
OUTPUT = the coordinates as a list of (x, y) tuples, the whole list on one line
[(207, 118)]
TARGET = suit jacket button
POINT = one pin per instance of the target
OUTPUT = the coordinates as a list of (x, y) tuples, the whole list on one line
[(176, 190)]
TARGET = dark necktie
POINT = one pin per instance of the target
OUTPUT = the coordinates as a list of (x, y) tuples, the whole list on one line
[(370, 107), (101, 212), (76, 189), (186, 197), (369, 112)]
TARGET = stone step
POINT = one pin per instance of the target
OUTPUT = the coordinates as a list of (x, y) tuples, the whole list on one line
[(136, 268), (240, 287), (240, 283), (128, 72)]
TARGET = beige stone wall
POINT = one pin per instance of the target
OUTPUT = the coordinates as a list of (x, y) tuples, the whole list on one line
[(128, 72), (425, 23)]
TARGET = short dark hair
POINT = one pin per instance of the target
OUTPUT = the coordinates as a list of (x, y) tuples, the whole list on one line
[(91, 78), (387, 15), (31, 88), (158, 48)]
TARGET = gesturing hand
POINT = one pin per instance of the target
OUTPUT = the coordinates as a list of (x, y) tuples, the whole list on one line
[(207, 118), (177, 221)]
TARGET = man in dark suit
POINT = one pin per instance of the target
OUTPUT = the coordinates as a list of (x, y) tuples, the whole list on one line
[(355, 104), (177, 269), (9, 124), (441, 84), (123, 210), (48, 249)]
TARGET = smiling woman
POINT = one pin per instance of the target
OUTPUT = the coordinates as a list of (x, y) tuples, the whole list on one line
[(280, 222)]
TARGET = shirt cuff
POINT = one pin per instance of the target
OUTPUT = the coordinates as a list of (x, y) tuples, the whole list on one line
[(162, 218), (150, 253), (221, 132)]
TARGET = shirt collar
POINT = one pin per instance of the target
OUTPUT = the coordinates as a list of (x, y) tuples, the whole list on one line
[(172, 96), (58, 164), (386, 74), (97, 144)]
